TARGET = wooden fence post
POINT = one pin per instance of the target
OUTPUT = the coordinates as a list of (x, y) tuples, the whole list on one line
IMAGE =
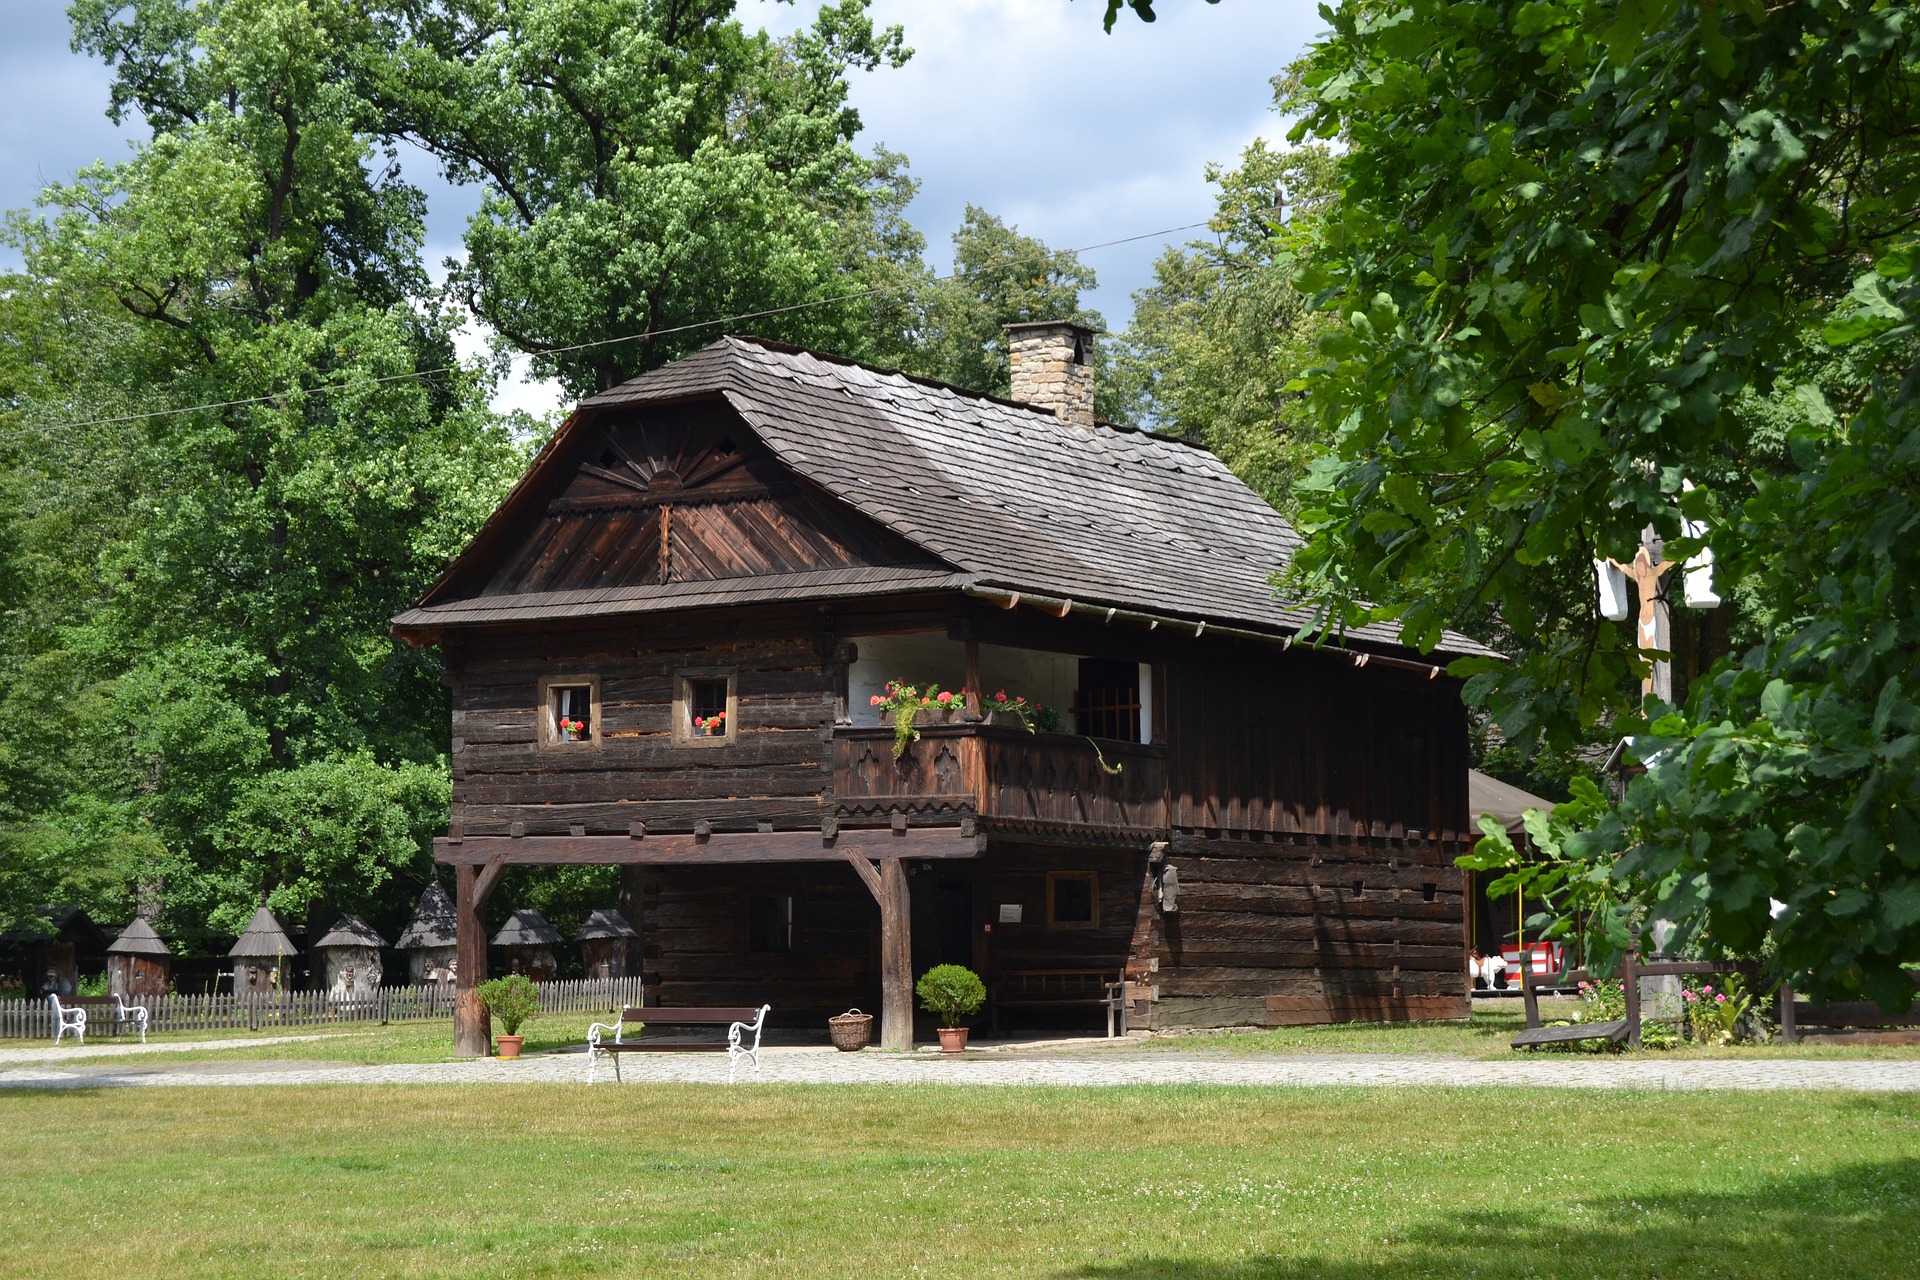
[(1630, 987)]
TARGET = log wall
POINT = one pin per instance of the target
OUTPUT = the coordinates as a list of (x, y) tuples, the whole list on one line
[(695, 940), (1283, 932), (778, 767)]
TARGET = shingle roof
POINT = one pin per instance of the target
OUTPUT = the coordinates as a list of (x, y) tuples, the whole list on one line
[(1008, 495), (66, 924), (263, 939), (351, 931), (138, 939), (527, 928), (433, 923), (815, 584), (606, 923)]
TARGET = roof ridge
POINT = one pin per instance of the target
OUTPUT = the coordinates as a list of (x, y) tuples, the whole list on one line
[(970, 393)]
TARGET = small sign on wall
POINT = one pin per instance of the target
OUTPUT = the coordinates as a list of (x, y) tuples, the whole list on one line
[(1009, 913)]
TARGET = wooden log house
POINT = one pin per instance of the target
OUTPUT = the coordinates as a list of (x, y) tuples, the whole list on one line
[(1256, 831)]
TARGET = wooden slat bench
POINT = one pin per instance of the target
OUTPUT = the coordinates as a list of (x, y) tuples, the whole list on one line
[(1061, 989), (739, 1022), (1533, 1037)]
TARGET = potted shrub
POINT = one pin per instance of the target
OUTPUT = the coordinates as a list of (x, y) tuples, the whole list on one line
[(954, 992), (512, 999)]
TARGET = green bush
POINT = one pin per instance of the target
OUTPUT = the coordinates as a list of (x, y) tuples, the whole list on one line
[(953, 991), (512, 999)]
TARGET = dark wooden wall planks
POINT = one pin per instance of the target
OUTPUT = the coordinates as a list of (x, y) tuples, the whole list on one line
[(1274, 932), (777, 768), (697, 941)]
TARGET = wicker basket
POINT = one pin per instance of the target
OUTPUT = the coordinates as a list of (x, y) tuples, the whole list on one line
[(850, 1030)]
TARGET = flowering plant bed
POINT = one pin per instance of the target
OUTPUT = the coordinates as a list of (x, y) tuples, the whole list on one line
[(903, 704), (1036, 718)]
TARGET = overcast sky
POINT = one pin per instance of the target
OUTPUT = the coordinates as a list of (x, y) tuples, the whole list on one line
[(1021, 106)]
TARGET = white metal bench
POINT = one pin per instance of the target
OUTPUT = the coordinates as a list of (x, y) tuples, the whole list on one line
[(740, 1023), (67, 1019), (134, 1013)]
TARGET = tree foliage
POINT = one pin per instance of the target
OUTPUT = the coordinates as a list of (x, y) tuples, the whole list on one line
[(1000, 277), (1584, 252), (649, 166), (1222, 331), (233, 567)]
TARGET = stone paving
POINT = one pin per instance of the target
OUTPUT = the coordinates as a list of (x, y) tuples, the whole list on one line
[(120, 1050), (1057, 1068)]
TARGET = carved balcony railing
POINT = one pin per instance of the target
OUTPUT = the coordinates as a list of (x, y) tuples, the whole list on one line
[(1014, 779)]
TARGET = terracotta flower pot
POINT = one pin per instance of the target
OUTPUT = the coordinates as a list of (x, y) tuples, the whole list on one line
[(510, 1045), (953, 1039)]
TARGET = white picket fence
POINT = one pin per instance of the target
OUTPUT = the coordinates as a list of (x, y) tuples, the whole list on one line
[(33, 1019)]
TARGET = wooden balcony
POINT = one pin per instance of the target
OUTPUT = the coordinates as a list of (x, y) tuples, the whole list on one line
[(1016, 780)]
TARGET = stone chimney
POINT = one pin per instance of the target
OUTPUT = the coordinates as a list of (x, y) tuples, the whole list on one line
[(1052, 367)]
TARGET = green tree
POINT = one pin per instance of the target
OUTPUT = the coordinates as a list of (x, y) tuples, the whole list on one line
[(257, 256), (1585, 252), (649, 166), (1221, 332), (1000, 277)]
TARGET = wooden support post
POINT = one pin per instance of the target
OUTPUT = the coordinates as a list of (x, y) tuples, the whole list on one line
[(1528, 996), (888, 886), (1630, 986), (472, 1026), (633, 907), (972, 711), (1787, 1029), (896, 958)]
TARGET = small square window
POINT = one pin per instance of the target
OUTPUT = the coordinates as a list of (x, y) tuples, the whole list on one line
[(570, 711), (770, 922), (707, 699), (1073, 900), (704, 708)]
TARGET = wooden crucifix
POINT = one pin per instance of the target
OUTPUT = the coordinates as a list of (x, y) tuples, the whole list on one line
[(1653, 630)]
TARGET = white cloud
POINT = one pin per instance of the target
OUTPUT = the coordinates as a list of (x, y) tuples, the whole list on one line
[(1021, 106), (1027, 108)]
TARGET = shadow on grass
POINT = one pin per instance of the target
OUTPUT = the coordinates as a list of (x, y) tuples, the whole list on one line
[(1856, 1222)]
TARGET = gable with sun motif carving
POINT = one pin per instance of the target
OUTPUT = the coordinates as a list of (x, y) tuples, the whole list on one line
[(682, 494)]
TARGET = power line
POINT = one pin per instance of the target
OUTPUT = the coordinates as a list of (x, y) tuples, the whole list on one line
[(602, 342)]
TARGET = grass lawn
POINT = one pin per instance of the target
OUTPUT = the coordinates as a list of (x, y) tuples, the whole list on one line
[(1488, 1035), (804, 1182), (361, 1043), (1485, 1037)]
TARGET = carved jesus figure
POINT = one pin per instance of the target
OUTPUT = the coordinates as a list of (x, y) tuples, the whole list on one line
[(1646, 575)]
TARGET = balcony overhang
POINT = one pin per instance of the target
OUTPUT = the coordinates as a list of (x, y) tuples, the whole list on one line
[(720, 848)]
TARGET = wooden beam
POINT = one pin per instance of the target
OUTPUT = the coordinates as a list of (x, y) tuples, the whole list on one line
[(489, 877), (896, 958), (867, 873), (719, 848), (972, 679), (472, 1026), (888, 885)]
